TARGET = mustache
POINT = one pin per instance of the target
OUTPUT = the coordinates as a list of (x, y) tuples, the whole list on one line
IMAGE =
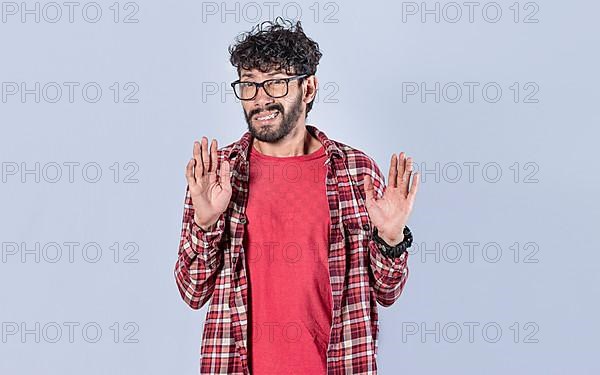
[(271, 107)]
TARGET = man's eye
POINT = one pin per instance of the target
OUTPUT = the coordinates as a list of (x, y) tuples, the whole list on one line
[(246, 84)]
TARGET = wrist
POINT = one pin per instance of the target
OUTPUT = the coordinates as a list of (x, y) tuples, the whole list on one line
[(204, 226), (390, 238), (392, 241), (393, 249)]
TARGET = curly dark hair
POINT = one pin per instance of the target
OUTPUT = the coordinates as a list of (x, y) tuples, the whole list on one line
[(277, 45)]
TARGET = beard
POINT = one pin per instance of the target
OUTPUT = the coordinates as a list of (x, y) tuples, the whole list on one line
[(278, 130)]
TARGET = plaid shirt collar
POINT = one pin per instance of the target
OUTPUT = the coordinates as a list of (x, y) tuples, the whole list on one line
[(242, 146)]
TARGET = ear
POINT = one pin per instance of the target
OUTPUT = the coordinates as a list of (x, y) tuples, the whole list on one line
[(312, 84)]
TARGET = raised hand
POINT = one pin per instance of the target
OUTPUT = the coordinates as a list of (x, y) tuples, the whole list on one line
[(390, 212), (210, 195)]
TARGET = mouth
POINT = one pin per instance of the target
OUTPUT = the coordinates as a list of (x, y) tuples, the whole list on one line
[(266, 117)]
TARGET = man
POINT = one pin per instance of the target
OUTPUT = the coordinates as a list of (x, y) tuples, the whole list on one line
[(292, 236)]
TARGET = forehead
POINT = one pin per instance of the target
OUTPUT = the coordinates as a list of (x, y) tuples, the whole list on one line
[(254, 73)]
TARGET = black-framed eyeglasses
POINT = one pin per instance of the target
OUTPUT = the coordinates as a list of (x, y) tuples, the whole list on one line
[(275, 88)]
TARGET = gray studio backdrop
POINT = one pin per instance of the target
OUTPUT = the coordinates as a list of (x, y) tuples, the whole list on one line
[(496, 101)]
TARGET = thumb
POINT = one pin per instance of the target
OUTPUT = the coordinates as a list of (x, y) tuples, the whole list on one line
[(369, 189)]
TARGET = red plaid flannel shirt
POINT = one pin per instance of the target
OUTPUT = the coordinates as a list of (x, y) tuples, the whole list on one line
[(211, 265)]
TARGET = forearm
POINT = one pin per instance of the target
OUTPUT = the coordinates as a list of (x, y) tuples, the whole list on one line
[(389, 274), (199, 259)]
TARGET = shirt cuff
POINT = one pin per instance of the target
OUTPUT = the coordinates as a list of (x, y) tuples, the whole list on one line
[(205, 243)]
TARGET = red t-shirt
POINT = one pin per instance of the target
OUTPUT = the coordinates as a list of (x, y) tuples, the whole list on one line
[(287, 245)]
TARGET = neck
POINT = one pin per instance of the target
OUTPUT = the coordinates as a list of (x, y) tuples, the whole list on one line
[(298, 142)]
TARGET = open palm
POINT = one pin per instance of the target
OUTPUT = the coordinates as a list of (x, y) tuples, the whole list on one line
[(390, 212), (210, 195)]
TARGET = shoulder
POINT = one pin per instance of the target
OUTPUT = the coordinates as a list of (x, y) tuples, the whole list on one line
[(358, 161), (359, 164), (224, 151)]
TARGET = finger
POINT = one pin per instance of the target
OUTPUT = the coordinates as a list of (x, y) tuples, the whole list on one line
[(393, 171), (224, 177), (204, 153), (369, 188), (213, 161), (197, 162), (213, 155), (400, 166), (414, 187), (189, 172), (407, 172)]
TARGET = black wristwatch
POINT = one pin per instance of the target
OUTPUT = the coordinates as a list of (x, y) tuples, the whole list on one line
[(394, 251)]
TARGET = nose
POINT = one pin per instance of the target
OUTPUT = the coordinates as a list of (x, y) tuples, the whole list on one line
[(262, 99)]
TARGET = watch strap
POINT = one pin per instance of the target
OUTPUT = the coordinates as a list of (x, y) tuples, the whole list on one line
[(394, 251)]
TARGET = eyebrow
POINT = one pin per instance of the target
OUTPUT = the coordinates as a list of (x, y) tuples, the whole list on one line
[(250, 75)]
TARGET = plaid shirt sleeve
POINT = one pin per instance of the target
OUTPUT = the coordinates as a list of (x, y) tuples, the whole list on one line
[(388, 275), (200, 257)]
